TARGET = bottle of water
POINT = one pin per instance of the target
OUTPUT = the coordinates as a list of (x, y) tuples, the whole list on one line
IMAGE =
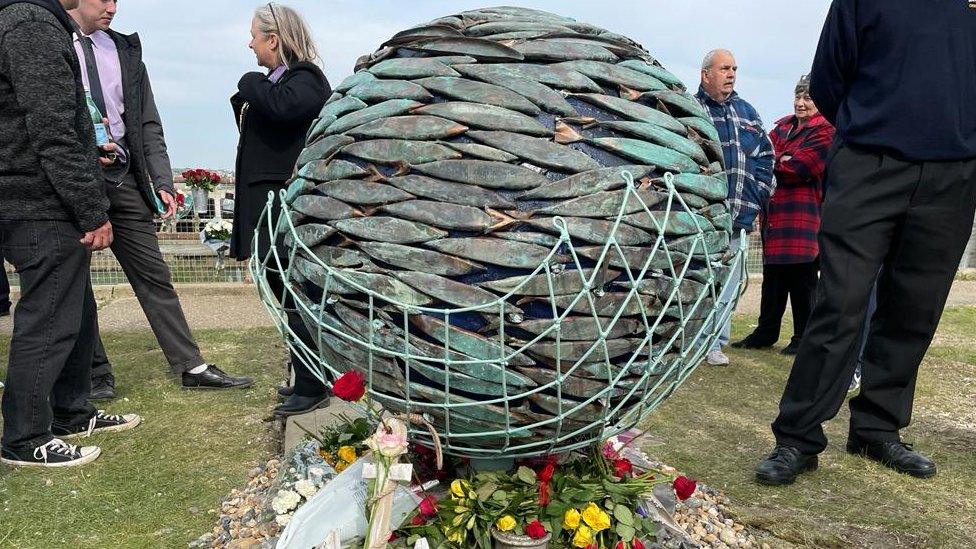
[(101, 133)]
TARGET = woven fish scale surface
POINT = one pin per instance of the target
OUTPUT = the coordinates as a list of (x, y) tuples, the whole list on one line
[(513, 223)]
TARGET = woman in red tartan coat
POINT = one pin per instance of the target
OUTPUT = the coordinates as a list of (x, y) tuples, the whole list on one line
[(789, 229)]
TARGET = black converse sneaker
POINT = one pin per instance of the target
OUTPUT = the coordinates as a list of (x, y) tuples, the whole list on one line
[(55, 453), (99, 423)]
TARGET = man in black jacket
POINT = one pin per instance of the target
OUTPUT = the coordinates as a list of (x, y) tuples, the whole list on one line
[(52, 214), (111, 65), (898, 80)]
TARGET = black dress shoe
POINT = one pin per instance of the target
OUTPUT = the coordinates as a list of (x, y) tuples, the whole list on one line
[(895, 455), (103, 387), (214, 378), (752, 342), (297, 404), (285, 391), (783, 465), (793, 348)]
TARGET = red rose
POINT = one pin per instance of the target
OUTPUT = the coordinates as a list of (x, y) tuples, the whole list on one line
[(545, 475), (620, 545), (392, 537), (418, 520), (684, 487), (351, 386), (535, 530), (216, 178), (428, 506), (544, 496), (637, 544), (622, 467)]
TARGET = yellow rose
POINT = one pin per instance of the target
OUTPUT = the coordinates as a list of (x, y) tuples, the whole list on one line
[(506, 523), (583, 536), (459, 488), (595, 517), (571, 520), (347, 454), (457, 537), (341, 466)]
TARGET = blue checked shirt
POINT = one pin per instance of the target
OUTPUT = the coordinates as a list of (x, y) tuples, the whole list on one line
[(748, 156)]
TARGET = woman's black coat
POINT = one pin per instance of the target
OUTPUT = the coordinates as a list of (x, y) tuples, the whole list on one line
[(273, 119)]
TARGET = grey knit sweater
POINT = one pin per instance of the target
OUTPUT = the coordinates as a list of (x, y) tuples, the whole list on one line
[(48, 158)]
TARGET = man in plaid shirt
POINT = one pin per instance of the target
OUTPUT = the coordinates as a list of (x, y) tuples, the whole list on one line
[(748, 162)]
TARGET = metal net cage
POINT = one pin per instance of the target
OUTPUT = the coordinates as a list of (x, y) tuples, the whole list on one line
[(529, 271)]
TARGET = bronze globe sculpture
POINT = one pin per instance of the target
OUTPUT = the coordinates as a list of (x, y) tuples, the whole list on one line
[(511, 223)]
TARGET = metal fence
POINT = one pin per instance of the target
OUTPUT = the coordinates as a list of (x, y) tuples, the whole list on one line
[(190, 260)]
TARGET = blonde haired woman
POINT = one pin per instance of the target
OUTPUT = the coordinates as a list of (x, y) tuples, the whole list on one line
[(274, 111)]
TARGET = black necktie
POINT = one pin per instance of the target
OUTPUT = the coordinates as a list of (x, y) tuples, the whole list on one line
[(94, 82)]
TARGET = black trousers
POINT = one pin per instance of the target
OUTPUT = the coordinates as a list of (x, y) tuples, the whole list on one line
[(914, 220), (306, 384), (798, 283), (137, 249), (48, 373)]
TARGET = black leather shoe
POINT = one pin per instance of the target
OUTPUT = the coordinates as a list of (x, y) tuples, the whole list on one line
[(103, 387), (285, 391), (297, 404), (895, 455), (214, 378), (752, 342), (793, 348), (783, 465)]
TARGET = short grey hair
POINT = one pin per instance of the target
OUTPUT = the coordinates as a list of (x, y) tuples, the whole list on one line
[(710, 58)]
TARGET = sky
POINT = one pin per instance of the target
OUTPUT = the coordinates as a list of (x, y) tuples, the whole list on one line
[(196, 50)]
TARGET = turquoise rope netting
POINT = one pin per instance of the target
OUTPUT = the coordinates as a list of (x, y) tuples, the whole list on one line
[(660, 373), (578, 333)]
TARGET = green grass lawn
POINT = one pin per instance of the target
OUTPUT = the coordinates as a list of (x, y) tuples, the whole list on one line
[(194, 447), (716, 428), (153, 486)]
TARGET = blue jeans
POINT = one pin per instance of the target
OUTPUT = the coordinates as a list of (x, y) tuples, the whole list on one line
[(729, 293)]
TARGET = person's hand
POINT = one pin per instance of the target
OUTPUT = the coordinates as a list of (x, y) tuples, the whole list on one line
[(110, 154), (99, 239), (170, 203)]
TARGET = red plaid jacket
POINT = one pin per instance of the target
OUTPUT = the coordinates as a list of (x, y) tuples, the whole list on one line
[(793, 221)]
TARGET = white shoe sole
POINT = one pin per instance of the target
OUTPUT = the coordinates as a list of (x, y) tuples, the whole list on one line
[(113, 429), (81, 461)]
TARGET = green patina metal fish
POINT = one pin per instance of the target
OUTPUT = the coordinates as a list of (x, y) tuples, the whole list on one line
[(492, 175), (496, 251), (409, 127), (473, 91), (541, 152), (354, 191), (419, 259), (389, 229), (451, 192), (486, 116), (399, 151)]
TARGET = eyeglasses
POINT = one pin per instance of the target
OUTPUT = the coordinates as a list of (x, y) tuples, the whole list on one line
[(271, 7)]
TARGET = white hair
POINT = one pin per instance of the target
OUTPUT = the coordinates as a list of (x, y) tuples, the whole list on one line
[(710, 58)]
